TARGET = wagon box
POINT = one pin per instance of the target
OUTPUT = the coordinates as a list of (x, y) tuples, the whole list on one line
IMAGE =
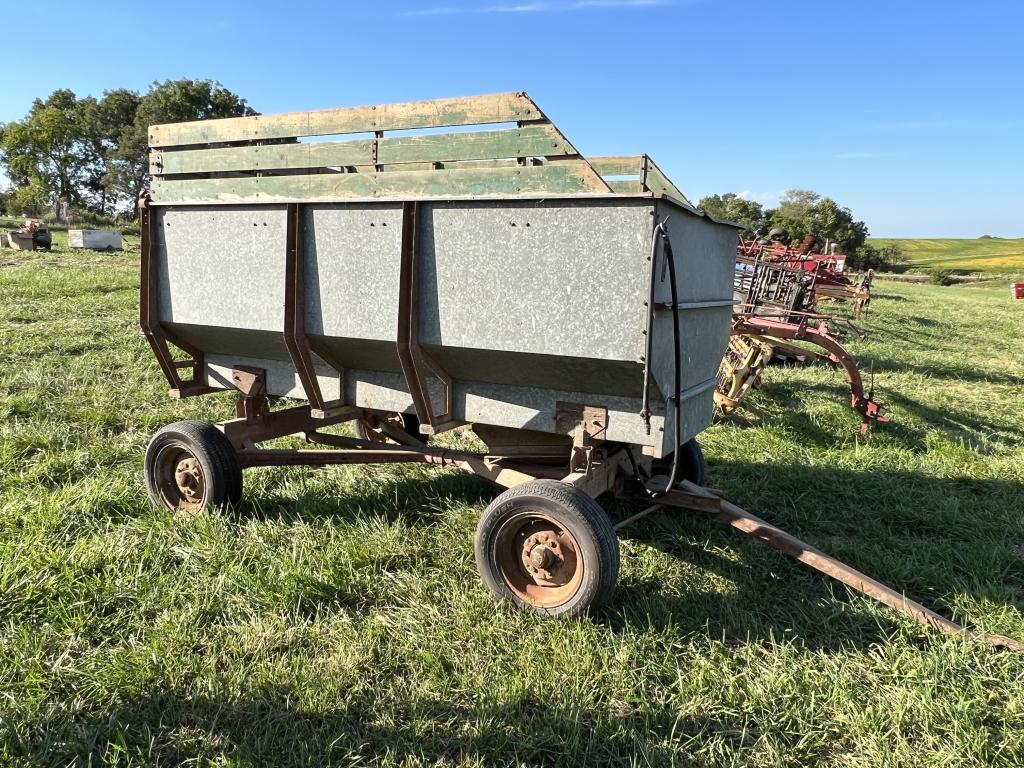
[(572, 312)]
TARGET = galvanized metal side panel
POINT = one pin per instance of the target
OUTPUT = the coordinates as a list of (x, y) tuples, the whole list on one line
[(352, 257), (560, 278), (523, 303), (222, 266), (523, 407), (704, 253)]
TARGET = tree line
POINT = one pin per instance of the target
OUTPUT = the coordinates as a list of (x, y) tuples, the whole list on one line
[(802, 212), (88, 155)]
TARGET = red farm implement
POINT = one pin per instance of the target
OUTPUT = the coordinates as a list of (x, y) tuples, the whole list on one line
[(831, 283), (776, 315)]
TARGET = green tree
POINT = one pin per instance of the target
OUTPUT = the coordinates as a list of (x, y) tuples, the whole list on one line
[(888, 257), (802, 212), (31, 199), (795, 203), (731, 207), (104, 121), (45, 150), (171, 101)]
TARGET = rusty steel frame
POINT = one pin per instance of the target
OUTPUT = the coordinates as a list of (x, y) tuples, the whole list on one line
[(830, 282), (411, 356), (149, 319), (611, 467), (295, 338), (530, 458)]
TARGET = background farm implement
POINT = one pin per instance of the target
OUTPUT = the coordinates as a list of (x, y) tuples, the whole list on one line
[(831, 281), (778, 291)]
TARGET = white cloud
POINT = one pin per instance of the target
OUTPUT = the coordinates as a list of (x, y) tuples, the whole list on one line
[(517, 8)]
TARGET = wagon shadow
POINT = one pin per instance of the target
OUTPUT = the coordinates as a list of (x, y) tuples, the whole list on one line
[(954, 540), (895, 297), (786, 397), (415, 497), (965, 372), (264, 726)]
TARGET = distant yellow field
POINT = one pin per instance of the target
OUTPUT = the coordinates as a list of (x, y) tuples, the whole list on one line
[(982, 254)]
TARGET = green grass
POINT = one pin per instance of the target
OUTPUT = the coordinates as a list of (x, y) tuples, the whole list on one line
[(986, 255), (336, 617)]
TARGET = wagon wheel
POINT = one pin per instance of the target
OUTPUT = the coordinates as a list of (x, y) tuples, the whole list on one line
[(370, 429), (549, 548), (692, 465), (191, 465)]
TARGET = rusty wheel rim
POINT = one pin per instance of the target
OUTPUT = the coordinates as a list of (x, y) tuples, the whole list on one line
[(180, 478), (538, 559)]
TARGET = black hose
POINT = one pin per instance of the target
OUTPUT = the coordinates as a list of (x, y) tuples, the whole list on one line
[(645, 407), (678, 379)]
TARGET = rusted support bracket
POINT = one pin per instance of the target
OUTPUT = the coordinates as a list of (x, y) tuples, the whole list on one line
[(251, 384), (604, 472), (691, 496), (149, 319), (410, 356), (587, 425), (295, 338), (242, 432)]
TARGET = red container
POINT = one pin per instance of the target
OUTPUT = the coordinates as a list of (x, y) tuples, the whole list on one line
[(1017, 290)]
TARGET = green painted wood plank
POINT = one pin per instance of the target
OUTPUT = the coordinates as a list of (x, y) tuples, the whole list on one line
[(626, 165), (267, 157), (471, 110), (659, 183), (560, 178), (626, 186), (528, 141)]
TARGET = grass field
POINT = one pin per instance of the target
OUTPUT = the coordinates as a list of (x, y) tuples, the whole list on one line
[(336, 617), (994, 255)]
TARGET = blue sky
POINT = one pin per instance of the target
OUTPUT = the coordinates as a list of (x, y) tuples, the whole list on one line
[(910, 113)]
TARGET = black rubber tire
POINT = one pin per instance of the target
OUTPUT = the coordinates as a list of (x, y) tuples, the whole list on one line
[(692, 466), (578, 514), (216, 457), (410, 425)]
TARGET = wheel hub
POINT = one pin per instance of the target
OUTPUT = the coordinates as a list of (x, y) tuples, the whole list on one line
[(542, 556), (180, 478), (188, 476)]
